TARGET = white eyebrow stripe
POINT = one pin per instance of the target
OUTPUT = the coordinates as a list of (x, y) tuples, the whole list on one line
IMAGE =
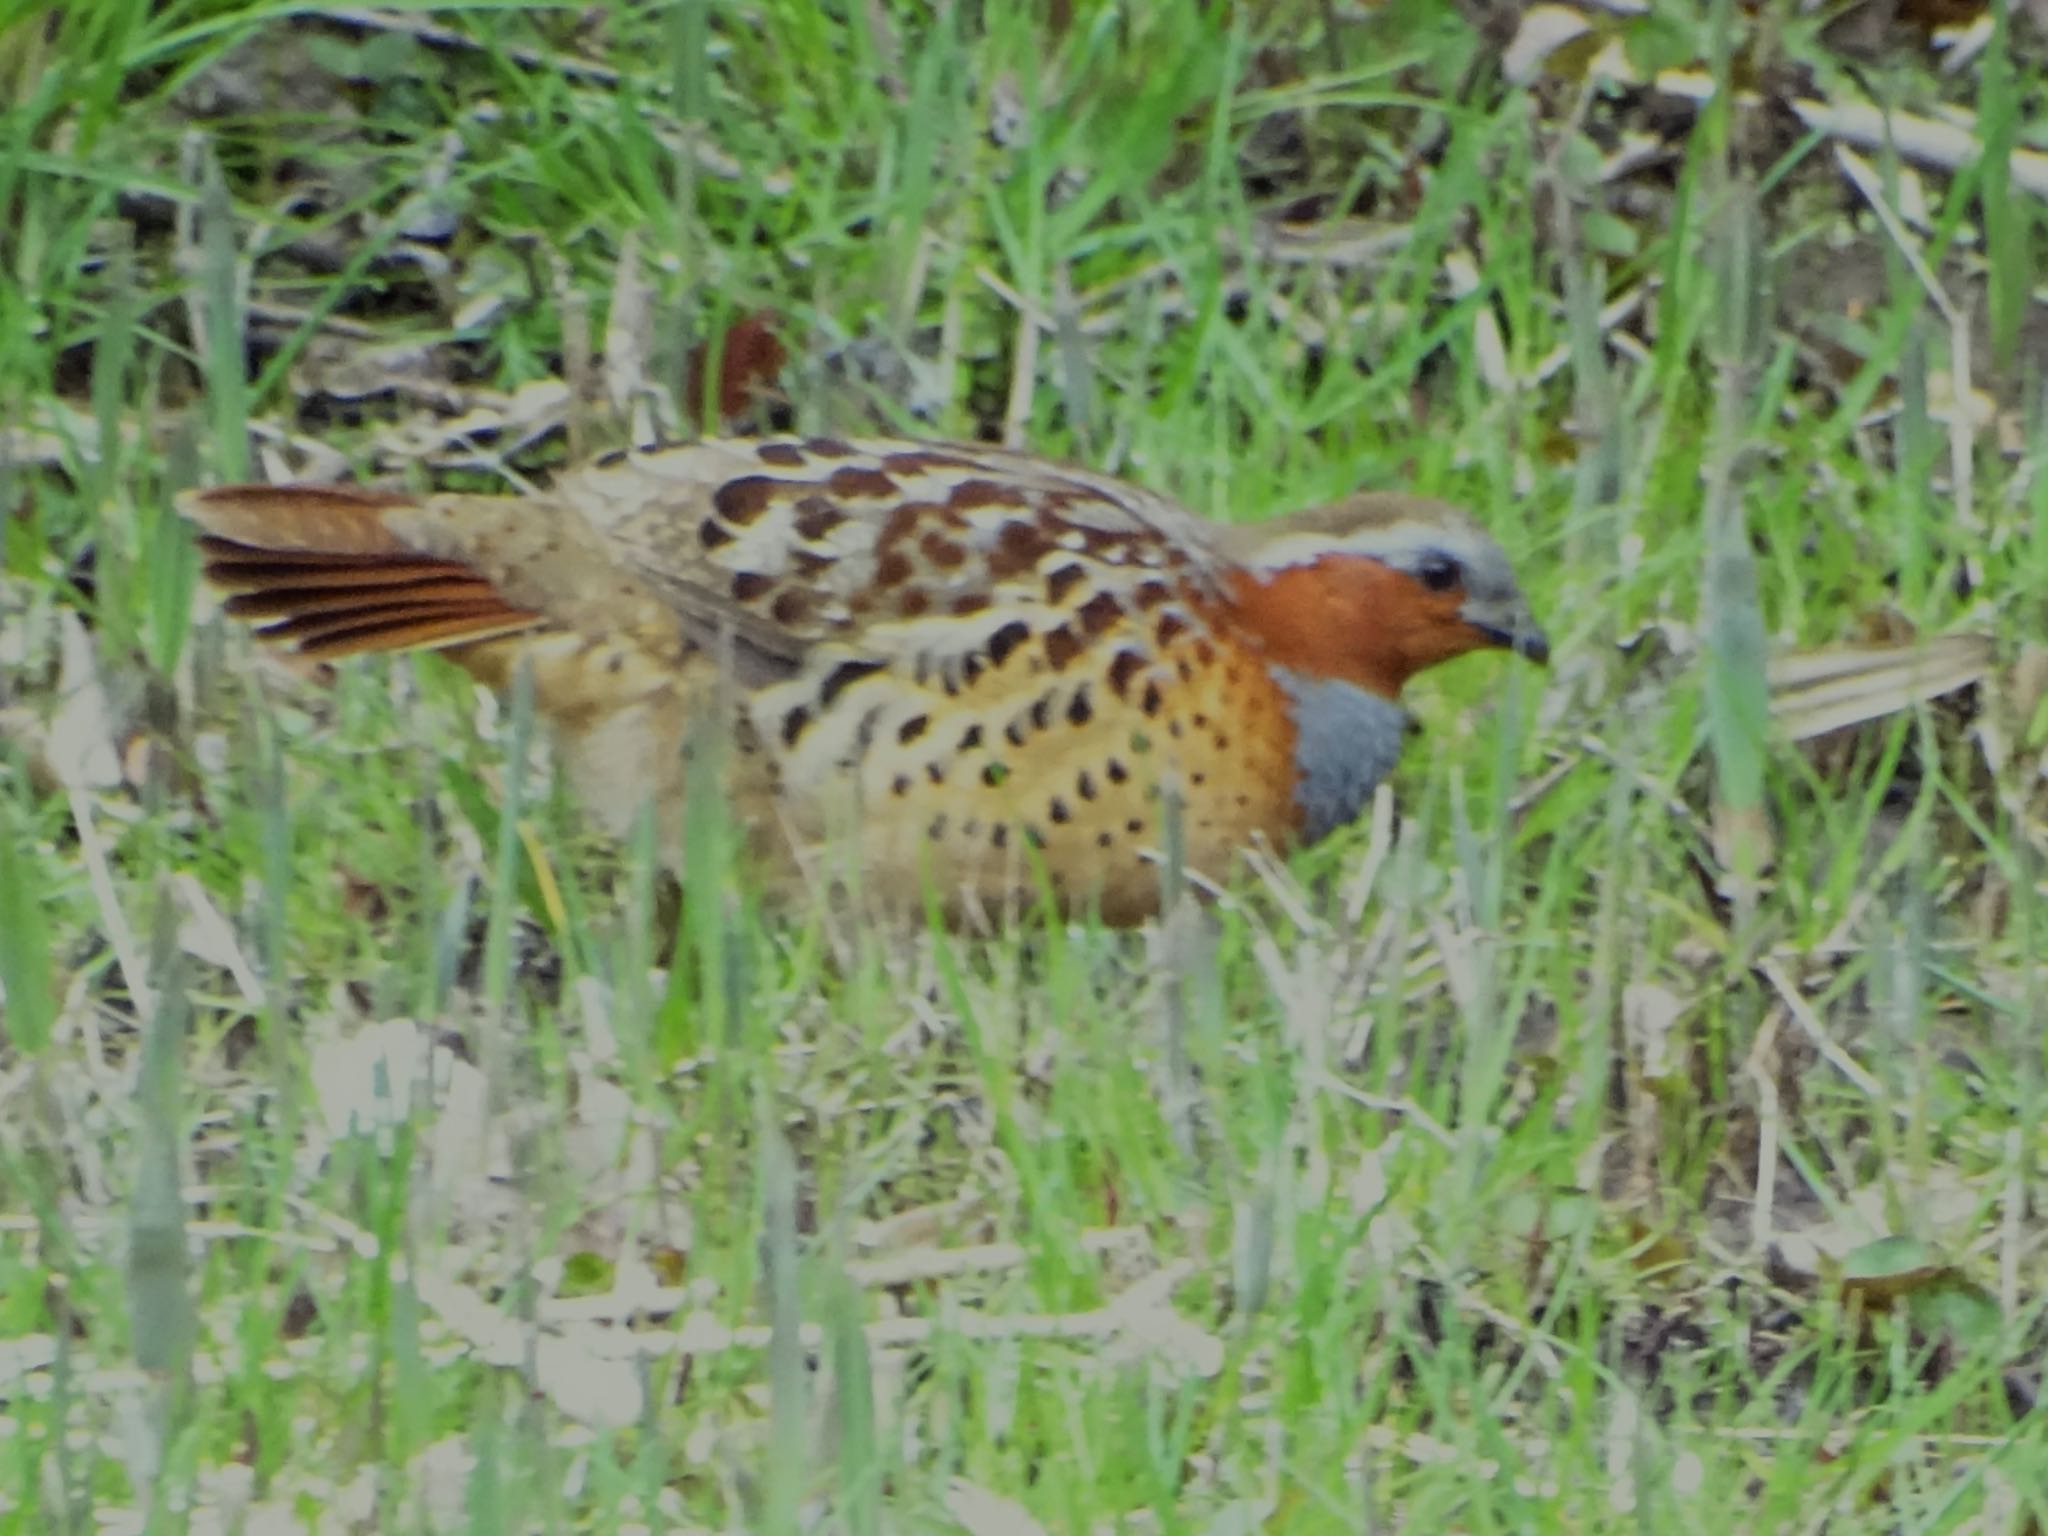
[(1390, 544)]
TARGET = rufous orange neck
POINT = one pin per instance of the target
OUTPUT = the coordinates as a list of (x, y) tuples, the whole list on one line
[(1352, 619)]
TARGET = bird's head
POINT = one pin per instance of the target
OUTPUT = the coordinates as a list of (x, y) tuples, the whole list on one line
[(1377, 587)]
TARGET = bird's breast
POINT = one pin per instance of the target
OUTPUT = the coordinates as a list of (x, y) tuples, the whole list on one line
[(1346, 739)]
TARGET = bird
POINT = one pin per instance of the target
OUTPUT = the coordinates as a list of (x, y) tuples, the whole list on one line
[(920, 670)]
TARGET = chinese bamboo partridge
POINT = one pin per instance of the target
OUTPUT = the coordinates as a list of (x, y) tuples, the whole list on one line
[(944, 662)]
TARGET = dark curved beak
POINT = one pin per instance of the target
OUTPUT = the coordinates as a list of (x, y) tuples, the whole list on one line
[(1518, 633)]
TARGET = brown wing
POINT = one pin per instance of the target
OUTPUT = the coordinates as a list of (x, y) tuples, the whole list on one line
[(816, 539)]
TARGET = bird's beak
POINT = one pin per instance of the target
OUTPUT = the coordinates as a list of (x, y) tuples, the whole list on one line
[(1512, 628)]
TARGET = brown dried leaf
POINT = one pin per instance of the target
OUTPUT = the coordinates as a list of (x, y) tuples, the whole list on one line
[(748, 364)]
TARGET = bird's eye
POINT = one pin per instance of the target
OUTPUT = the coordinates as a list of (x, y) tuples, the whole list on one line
[(1438, 572)]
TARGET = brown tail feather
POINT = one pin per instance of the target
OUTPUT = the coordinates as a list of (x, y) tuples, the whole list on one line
[(284, 602), (318, 569), (400, 627), (316, 519), (238, 568)]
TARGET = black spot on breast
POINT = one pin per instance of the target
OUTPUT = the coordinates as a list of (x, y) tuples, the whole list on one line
[(1014, 732), (1060, 648), (970, 738), (844, 676), (1041, 712), (935, 773), (1118, 774), (913, 728), (1079, 710), (1004, 642), (749, 585), (1084, 785), (1134, 826), (1063, 581), (1124, 666), (1099, 612), (900, 785), (711, 533), (1151, 700), (994, 774), (1058, 812), (793, 725), (1105, 839), (1170, 628), (743, 500)]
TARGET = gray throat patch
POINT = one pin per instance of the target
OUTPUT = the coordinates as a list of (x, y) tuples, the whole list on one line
[(1347, 740)]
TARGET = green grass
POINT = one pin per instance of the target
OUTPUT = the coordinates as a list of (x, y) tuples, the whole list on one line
[(1420, 1193)]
